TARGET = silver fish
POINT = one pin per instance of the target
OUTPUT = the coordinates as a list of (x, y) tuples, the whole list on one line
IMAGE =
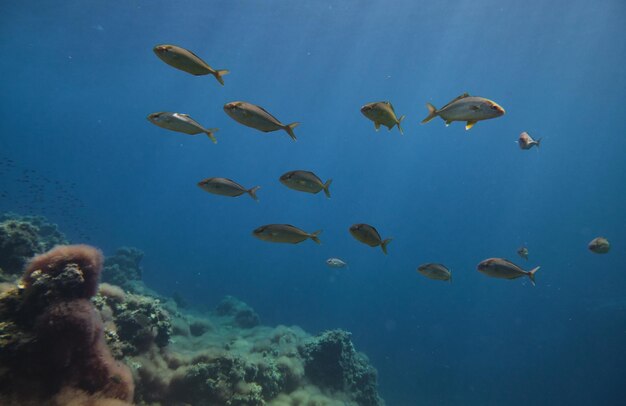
[(305, 181), (187, 61), (505, 269), (599, 245), (284, 233), (465, 108), (369, 235), (257, 117), (525, 141), (336, 263), (226, 187), (181, 123), (435, 271), (382, 113)]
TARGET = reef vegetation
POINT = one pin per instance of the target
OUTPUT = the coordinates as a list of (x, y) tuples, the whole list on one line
[(67, 339)]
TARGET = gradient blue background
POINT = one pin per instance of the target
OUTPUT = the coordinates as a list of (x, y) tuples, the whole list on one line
[(79, 78)]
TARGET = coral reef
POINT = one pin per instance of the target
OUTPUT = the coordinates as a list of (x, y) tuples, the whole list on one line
[(52, 337), (21, 238), (65, 339), (330, 361), (242, 315), (123, 269), (134, 323)]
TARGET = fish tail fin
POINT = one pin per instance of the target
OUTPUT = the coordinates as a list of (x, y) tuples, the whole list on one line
[(400, 128), (384, 244), (289, 128), (450, 278), (219, 74), (314, 237), (252, 192), (326, 187), (432, 113), (538, 142), (531, 275), (210, 133)]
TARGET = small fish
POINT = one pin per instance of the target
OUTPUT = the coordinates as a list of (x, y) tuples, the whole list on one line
[(523, 252), (525, 141), (465, 108), (305, 181), (181, 123), (284, 233), (257, 117), (336, 263), (599, 245), (187, 61), (504, 269), (226, 187), (435, 271), (369, 235), (382, 113)]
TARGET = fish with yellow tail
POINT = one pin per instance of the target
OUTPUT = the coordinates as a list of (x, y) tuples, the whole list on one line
[(187, 61), (181, 123), (305, 181), (436, 272), (226, 187), (369, 235), (284, 233), (382, 113), (599, 245), (257, 117), (505, 269), (470, 109)]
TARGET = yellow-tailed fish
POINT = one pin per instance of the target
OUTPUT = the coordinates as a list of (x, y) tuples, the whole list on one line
[(305, 181), (437, 272), (257, 117), (187, 61), (369, 235), (382, 113), (284, 233), (505, 269), (181, 123), (226, 187), (599, 245), (465, 108)]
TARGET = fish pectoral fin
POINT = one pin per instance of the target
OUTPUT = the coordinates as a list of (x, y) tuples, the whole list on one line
[(469, 125), (474, 108)]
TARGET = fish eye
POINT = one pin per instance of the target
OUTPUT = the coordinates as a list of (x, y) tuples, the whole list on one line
[(494, 107)]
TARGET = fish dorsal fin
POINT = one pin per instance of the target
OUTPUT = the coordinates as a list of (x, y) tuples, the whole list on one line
[(463, 96), (391, 107), (269, 114)]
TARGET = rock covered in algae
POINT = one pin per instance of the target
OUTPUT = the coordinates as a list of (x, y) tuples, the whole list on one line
[(243, 316), (330, 361), (21, 238), (176, 356), (53, 334), (134, 323), (123, 268)]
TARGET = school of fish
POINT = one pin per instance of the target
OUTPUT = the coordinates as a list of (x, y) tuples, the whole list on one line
[(464, 108)]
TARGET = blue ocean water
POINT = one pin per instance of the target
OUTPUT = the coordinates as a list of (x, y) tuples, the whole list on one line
[(79, 79)]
